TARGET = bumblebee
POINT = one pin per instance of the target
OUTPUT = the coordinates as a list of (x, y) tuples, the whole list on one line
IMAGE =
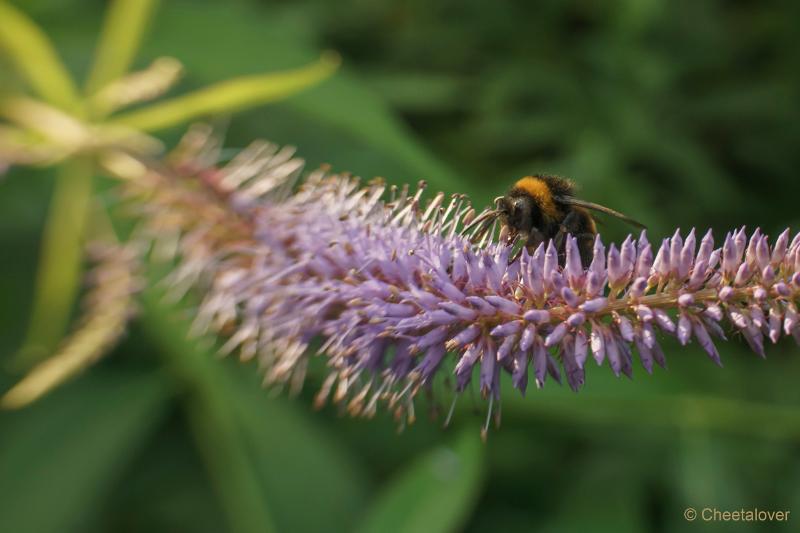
[(539, 208)]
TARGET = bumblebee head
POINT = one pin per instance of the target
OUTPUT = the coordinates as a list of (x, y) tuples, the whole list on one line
[(517, 212)]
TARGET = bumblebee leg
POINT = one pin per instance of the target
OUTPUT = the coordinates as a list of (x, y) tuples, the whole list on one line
[(572, 220), (586, 247), (534, 239), (513, 257)]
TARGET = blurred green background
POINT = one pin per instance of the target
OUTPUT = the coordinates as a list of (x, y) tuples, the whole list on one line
[(680, 114)]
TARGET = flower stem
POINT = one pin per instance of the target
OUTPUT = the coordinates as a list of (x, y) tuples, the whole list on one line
[(59, 261)]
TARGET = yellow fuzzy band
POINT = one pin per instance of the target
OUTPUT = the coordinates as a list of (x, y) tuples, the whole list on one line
[(540, 191)]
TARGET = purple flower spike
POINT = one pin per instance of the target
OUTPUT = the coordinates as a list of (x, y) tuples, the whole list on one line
[(616, 270), (430, 364), (537, 316), (638, 287), (581, 348), (396, 294), (597, 343), (725, 294), (661, 263), (779, 251), (507, 328), (573, 268), (539, 363), (768, 275), (663, 320), (760, 294), (763, 255), (594, 284), (556, 335), (781, 289), (706, 247), (598, 265), (506, 347), (704, 339), (519, 373), (594, 306), (730, 263), (465, 337), (461, 312), (686, 257), (569, 297), (576, 320), (528, 338), (624, 326), (628, 258), (613, 353), (488, 366), (684, 329)]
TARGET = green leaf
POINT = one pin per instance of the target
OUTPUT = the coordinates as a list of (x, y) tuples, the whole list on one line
[(59, 271), (230, 96), (216, 432), (119, 40), (638, 403), (604, 493), (702, 472), (419, 91), (435, 494), (353, 109), (34, 57), (265, 460), (60, 456), (298, 461), (347, 110)]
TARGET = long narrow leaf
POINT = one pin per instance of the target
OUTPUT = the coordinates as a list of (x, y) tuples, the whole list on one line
[(34, 57), (435, 494), (60, 260), (297, 460), (108, 306), (230, 96), (221, 443), (119, 40), (60, 457)]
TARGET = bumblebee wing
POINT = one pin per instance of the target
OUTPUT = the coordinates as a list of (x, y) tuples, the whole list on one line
[(569, 200)]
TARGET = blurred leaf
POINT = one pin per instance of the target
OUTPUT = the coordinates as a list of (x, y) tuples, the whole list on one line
[(119, 40), (216, 432), (60, 456), (265, 460), (59, 271), (34, 57), (434, 494), (165, 489), (603, 493), (229, 96), (343, 104), (624, 404), (298, 461), (702, 472), (352, 108), (108, 306), (418, 91)]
